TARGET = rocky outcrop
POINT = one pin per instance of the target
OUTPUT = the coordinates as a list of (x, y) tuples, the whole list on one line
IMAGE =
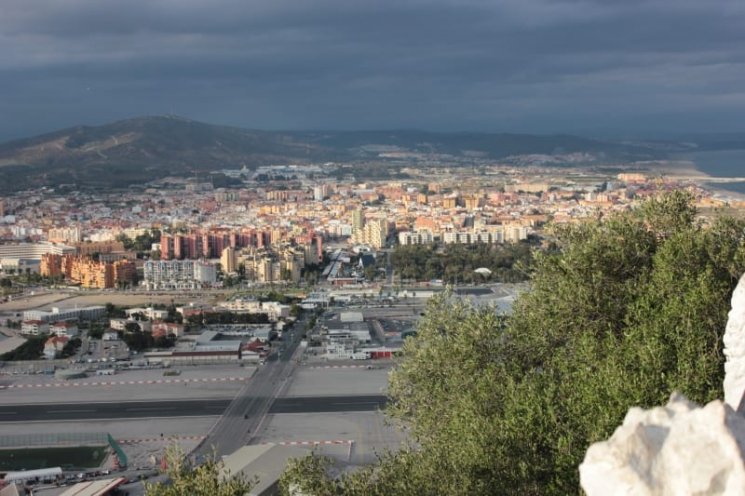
[(678, 449), (681, 448), (734, 350)]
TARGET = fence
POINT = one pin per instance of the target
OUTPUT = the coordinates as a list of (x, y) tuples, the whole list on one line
[(54, 439)]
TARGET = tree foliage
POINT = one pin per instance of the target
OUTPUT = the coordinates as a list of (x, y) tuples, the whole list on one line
[(629, 309), (207, 479), (452, 262), (142, 242), (71, 347), (32, 349), (141, 340)]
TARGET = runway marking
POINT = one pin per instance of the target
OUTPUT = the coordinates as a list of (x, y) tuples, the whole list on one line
[(313, 443), (160, 439), (124, 383), (339, 366)]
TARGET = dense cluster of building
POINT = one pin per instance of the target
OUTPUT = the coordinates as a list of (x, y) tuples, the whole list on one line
[(277, 223), (212, 243)]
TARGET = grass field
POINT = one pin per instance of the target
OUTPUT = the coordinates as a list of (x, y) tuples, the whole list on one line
[(77, 457)]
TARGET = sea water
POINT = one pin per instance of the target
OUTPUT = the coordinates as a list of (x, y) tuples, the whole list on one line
[(721, 163)]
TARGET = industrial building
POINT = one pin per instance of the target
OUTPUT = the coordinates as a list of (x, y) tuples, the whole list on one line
[(59, 314), (34, 250)]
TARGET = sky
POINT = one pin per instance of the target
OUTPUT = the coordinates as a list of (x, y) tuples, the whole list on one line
[(592, 67)]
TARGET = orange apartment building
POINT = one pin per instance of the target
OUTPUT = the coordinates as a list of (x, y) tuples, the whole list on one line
[(99, 247), (88, 272)]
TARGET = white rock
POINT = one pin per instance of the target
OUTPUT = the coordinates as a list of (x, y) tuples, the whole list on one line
[(679, 449), (734, 350)]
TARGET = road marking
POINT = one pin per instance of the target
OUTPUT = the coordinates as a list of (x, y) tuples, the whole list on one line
[(320, 367), (160, 439), (124, 383), (313, 443)]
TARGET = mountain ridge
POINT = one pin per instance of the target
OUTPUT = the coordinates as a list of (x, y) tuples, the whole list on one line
[(145, 148)]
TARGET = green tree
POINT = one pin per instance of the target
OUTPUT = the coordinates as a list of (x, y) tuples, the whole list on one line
[(627, 310), (112, 311), (132, 327), (454, 262), (207, 479), (70, 348), (32, 349)]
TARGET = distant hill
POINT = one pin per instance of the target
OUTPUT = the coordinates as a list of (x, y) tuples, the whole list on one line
[(145, 148)]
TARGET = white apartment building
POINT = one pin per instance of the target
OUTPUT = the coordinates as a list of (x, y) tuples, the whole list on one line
[(34, 327), (65, 234), (513, 234), (178, 274), (205, 272), (273, 309), (68, 329), (121, 324), (422, 237), (501, 234), (149, 312)]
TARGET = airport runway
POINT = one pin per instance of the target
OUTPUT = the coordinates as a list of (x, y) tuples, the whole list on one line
[(98, 411), (319, 404), (180, 408)]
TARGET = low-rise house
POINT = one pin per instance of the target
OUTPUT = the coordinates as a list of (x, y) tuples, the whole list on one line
[(160, 328), (69, 329), (54, 345)]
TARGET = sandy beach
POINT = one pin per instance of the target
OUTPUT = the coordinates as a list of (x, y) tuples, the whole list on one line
[(676, 169), (685, 170)]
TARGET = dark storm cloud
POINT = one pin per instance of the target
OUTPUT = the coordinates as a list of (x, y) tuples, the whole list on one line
[(534, 65)]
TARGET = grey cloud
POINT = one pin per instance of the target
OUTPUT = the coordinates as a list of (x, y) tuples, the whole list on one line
[(543, 65)]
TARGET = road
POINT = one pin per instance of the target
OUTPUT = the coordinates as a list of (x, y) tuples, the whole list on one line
[(245, 415), (49, 412)]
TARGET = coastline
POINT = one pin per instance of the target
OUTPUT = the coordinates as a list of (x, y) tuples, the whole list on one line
[(724, 194), (686, 170), (678, 169)]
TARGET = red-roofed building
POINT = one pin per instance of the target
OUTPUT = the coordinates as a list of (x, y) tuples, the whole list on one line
[(64, 328), (160, 328), (54, 345)]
